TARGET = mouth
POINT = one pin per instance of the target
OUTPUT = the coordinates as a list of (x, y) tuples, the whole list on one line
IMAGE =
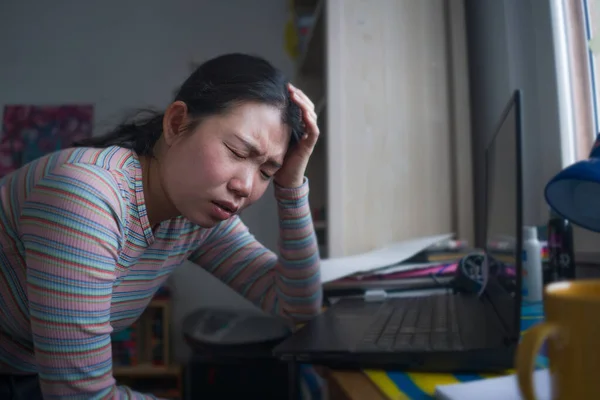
[(226, 206)]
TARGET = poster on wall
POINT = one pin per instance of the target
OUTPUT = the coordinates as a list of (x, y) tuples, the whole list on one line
[(31, 131)]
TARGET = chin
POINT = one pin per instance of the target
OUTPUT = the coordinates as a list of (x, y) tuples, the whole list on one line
[(203, 221)]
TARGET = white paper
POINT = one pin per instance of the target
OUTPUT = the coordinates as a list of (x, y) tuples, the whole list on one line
[(408, 267), (336, 268), (502, 388)]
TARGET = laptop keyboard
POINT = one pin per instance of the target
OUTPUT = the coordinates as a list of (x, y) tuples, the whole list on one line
[(422, 323)]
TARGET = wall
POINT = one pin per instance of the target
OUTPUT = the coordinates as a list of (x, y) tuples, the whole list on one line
[(511, 47), (121, 55)]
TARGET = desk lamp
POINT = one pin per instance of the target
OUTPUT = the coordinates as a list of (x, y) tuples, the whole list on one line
[(574, 193)]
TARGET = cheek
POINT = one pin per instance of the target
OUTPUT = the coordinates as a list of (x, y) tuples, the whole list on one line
[(259, 189), (196, 168), (213, 169)]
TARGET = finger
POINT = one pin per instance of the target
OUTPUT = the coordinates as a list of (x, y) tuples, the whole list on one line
[(300, 96), (311, 136), (311, 115), (312, 129), (310, 118), (306, 99), (308, 114), (302, 102)]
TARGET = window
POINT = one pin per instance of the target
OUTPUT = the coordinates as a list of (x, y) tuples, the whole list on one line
[(577, 56), (592, 35), (582, 23)]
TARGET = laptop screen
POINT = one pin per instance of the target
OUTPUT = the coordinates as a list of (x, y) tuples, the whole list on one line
[(503, 223)]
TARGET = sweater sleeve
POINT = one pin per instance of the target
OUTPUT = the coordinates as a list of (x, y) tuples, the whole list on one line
[(289, 285), (71, 228)]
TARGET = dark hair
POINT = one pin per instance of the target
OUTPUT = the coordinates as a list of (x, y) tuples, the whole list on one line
[(213, 88)]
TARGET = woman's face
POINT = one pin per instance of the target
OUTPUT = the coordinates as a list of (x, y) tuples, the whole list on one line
[(224, 164)]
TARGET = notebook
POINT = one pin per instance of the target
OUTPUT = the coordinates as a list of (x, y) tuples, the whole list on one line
[(501, 388)]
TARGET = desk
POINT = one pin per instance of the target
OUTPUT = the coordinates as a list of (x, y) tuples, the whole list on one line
[(352, 385), (360, 385)]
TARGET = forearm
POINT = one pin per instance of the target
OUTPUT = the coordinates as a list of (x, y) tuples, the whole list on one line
[(298, 281)]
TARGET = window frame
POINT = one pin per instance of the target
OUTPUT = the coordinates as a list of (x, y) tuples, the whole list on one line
[(583, 92), (595, 95)]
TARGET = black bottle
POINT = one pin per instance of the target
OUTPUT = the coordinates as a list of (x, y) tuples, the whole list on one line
[(560, 249)]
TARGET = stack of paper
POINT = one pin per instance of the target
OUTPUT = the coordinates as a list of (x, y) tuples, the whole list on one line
[(389, 256)]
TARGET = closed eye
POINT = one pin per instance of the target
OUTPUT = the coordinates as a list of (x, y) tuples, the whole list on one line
[(235, 153), (265, 175)]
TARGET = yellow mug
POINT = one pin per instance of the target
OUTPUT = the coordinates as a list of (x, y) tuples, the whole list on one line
[(572, 327)]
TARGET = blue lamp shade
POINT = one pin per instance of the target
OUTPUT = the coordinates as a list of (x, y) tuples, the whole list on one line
[(574, 193)]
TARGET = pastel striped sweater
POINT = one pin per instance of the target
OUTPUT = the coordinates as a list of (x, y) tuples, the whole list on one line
[(79, 260)]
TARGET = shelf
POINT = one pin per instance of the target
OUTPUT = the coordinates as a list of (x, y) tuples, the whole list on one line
[(311, 60), (147, 370)]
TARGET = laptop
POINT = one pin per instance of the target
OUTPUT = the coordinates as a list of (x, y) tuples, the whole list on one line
[(452, 331)]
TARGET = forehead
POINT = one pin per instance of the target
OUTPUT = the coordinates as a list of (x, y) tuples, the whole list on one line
[(262, 124)]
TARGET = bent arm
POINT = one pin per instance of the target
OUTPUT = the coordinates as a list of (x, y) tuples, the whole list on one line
[(71, 232), (289, 285)]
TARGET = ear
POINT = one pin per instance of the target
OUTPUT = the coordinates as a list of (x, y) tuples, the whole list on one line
[(175, 121)]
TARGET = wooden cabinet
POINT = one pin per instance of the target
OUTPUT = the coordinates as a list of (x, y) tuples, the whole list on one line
[(389, 81)]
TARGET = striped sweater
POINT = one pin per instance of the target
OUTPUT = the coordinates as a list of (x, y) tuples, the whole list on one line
[(79, 261)]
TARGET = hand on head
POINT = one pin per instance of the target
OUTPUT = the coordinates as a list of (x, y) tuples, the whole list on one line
[(294, 167)]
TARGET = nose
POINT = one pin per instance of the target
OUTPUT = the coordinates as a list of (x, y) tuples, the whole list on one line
[(241, 185)]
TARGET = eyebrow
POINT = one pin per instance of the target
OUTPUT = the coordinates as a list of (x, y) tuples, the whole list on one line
[(251, 147)]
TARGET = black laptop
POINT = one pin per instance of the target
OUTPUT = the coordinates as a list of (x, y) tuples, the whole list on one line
[(460, 330)]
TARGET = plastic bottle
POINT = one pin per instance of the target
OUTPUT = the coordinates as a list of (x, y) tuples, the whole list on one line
[(560, 248), (532, 280)]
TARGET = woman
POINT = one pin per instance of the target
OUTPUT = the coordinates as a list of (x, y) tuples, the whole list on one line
[(89, 233)]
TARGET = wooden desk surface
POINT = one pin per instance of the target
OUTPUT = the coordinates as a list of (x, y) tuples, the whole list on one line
[(352, 385)]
